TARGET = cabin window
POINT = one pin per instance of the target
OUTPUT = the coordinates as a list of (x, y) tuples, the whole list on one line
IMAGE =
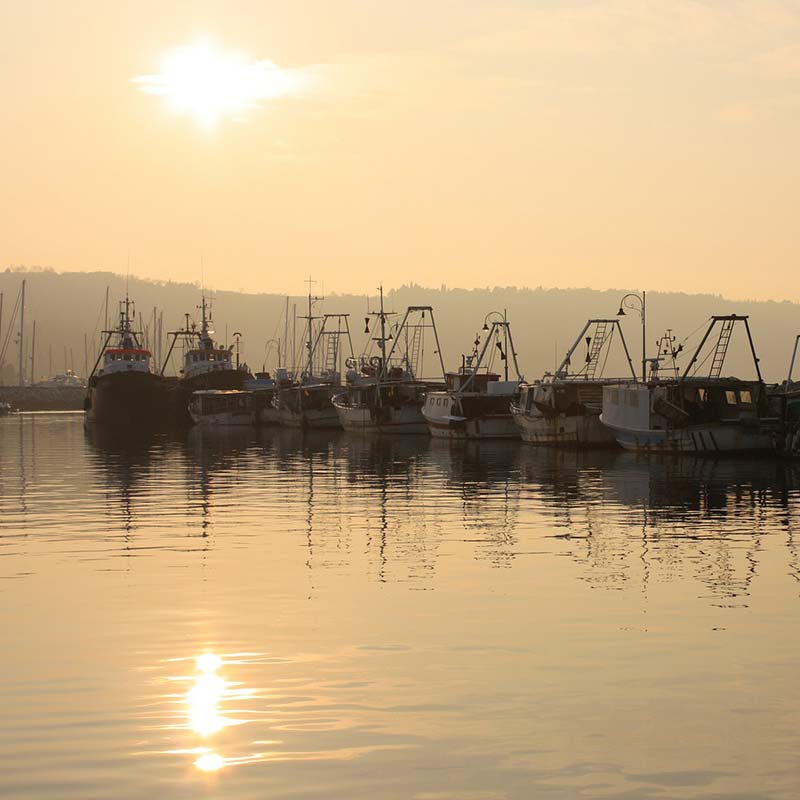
[(745, 396), (210, 356), (730, 398), (701, 394)]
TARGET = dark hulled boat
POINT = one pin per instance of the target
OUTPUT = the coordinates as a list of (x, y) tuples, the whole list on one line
[(122, 390), (206, 365)]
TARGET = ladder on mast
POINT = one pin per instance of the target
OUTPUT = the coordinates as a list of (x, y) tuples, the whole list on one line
[(415, 350), (721, 349), (331, 353), (596, 348)]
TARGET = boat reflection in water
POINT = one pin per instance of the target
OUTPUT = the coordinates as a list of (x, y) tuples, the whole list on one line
[(423, 618)]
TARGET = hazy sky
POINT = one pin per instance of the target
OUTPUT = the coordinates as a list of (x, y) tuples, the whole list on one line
[(616, 143)]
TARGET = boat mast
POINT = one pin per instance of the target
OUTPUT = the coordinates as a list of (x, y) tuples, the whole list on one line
[(382, 342), (791, 363), (285, 337), (310, 344), (505, 342), (33, 354), (309, 337), (21, 335)]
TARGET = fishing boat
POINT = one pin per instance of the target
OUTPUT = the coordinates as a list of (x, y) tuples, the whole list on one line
[(306, 402), (122, 389), (206, 364), (563, 408), (383, 392), (223, 407), (476, 404), (65, 380), (785, 399), (262, 386), (696, 414)]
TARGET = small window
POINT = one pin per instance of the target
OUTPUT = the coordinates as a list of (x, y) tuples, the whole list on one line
[(745, 396), (730, 398), (701, 395)]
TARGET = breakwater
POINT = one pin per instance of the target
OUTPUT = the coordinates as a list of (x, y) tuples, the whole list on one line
[(43, 398)]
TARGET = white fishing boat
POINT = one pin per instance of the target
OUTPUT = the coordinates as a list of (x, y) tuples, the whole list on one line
[(306, 402), (383, 393), (476, 404), (563, 408), (710, 414), (206, 364), (223, 407), (262, 386)]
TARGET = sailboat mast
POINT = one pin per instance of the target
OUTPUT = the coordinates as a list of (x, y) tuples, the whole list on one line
[(285, 336), (21, 337), (33, 354)]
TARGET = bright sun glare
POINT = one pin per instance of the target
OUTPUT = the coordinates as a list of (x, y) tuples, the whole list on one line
[(209, 84)]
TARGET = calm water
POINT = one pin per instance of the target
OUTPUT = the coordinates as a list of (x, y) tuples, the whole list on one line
[(263, 615)]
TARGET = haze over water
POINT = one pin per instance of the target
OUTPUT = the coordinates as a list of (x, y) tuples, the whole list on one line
[(250, 615)]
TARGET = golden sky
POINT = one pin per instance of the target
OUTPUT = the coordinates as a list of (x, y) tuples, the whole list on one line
[(602, 143)]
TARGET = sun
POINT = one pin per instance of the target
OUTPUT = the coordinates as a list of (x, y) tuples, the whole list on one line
[(208, 84)]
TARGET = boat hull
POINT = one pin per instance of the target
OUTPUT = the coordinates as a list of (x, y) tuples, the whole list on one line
[(500, 426), (710, 439), (225, 418), (130, 399), (312, 419), (561, 430), (230, 379), (306, 407), (387, 419)]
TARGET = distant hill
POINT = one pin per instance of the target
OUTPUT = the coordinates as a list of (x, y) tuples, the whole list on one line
[(545, 322)]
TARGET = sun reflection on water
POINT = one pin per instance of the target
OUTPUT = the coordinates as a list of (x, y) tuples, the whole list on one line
[(204, 699), (205, 696), (210, 762)]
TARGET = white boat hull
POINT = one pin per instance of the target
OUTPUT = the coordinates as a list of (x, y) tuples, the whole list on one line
[(494, 427), (564, 431), (309, 418), (225, 419), (403, 420), (711, 438)]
